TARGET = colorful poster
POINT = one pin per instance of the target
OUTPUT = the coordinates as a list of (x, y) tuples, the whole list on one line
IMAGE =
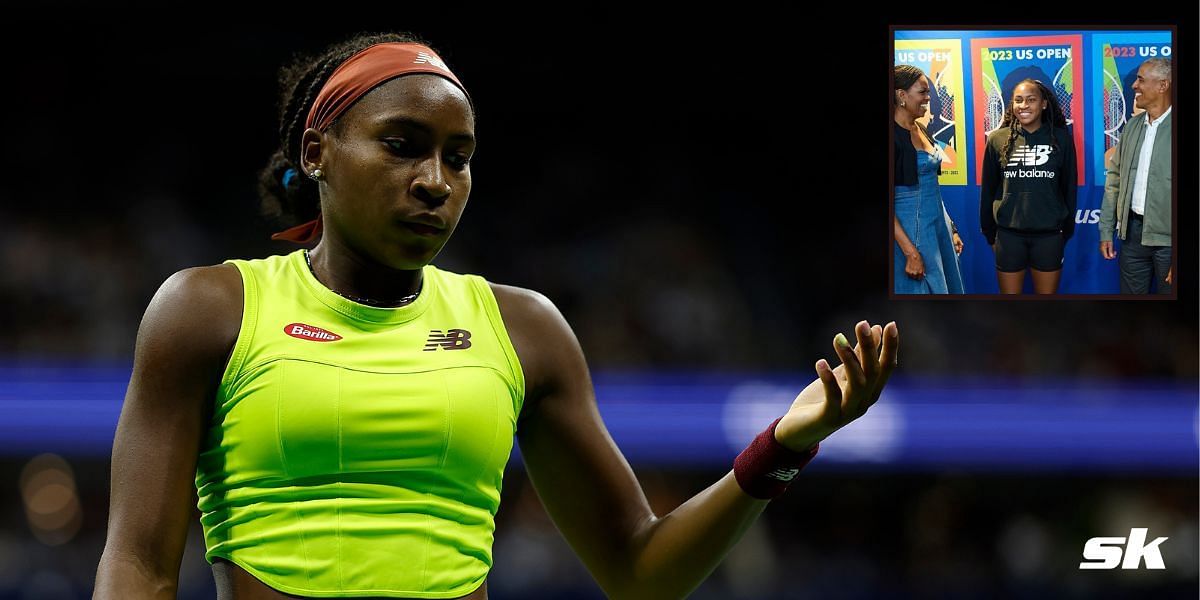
[(1000, 63), (1114, 59), (942, 61)]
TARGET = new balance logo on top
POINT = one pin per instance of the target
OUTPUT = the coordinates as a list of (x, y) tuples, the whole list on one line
[(426, 58), (783, 474), (453, 339), (1030, 156), (308, 332), (1105, 552)]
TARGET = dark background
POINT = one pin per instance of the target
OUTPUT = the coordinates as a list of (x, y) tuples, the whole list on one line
[(695, 192)]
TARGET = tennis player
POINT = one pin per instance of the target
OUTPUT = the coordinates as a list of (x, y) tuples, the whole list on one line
[(343, 415)]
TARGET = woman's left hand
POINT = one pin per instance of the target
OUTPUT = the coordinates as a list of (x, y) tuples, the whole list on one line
[(958, 244), (841, 395)]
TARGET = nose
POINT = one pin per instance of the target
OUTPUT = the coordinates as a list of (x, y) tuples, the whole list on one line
[(429, 185)]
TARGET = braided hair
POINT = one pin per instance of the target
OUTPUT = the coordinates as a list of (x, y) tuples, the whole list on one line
[(285, 192), (1052, 117)]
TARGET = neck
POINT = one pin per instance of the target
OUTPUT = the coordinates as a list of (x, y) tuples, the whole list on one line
[(352, 274), (1156, 111), (904, 119), (1032, 127)]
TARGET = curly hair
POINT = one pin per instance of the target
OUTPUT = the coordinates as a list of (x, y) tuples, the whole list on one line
[(1052, 117), (292, 198)]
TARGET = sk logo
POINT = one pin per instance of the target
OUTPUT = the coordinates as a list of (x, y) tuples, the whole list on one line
[(453, 339)]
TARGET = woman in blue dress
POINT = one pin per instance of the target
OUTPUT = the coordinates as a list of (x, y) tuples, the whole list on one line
[(927, 245)]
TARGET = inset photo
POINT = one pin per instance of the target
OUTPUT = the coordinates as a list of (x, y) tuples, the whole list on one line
[(1034, 162)]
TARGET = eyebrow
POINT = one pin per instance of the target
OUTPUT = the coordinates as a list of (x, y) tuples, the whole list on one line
[(422, 127)]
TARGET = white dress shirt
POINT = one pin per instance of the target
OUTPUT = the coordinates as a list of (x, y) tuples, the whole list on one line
[(1143, 169)]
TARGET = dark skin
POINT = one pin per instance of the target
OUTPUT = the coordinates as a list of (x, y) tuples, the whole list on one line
[(910, 106), (372, 186), (1152, 94), (1028, 105)]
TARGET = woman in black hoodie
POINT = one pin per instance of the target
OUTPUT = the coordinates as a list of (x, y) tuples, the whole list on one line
[(1027, 192)]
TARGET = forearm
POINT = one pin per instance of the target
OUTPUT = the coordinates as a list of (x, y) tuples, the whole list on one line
[(679, 550), (121, 576), (902, 240)]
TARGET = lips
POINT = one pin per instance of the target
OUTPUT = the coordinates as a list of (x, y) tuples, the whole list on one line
[(425, 224), (422, 229)]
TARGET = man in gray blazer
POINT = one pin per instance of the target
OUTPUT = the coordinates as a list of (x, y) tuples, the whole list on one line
[(1137, 186)]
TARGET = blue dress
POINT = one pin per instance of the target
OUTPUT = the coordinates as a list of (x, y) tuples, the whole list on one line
[(920, 212)]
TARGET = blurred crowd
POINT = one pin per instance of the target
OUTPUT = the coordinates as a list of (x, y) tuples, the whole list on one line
[(849, 535), (655, 293), (681, 220)]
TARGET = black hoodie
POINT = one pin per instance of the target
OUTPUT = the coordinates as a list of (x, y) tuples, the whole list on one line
[(1035, 192)]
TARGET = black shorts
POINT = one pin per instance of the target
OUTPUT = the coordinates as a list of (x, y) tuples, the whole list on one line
[(1017, 251)]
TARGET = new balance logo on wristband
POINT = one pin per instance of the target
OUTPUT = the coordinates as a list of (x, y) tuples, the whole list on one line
[(784, 474), (765, 468), (453, 339)]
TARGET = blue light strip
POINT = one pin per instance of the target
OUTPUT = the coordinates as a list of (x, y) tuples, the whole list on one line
[(682, 420)]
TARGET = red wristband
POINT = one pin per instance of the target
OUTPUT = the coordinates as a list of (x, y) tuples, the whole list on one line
[(766, 467)]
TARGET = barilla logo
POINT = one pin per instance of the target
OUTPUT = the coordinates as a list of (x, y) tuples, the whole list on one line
[(425, 57), (301, 331)]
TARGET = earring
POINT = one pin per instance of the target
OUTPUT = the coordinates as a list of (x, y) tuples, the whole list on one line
[(901, 103), (317, 174)]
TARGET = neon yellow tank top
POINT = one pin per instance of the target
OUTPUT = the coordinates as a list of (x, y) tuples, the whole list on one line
[(359, 451)]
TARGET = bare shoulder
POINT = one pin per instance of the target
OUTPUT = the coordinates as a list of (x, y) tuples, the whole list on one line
[(205, 285), (195, 313), (182, 344), (521, 304), (210, 294), (545, 344)]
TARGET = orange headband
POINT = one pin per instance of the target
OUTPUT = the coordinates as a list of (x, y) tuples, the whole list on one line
[(352, 80), (367, 69)]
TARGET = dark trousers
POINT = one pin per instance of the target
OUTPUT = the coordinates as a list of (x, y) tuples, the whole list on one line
[(1141, 264)]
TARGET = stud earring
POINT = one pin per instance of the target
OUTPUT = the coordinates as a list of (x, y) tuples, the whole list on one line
[(317, 174), (901, 103)]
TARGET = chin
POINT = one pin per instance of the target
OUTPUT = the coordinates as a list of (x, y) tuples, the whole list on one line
[(411, 258)]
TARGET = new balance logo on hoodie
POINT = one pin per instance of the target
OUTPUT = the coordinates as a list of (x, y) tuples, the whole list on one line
[(1030, 156)]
